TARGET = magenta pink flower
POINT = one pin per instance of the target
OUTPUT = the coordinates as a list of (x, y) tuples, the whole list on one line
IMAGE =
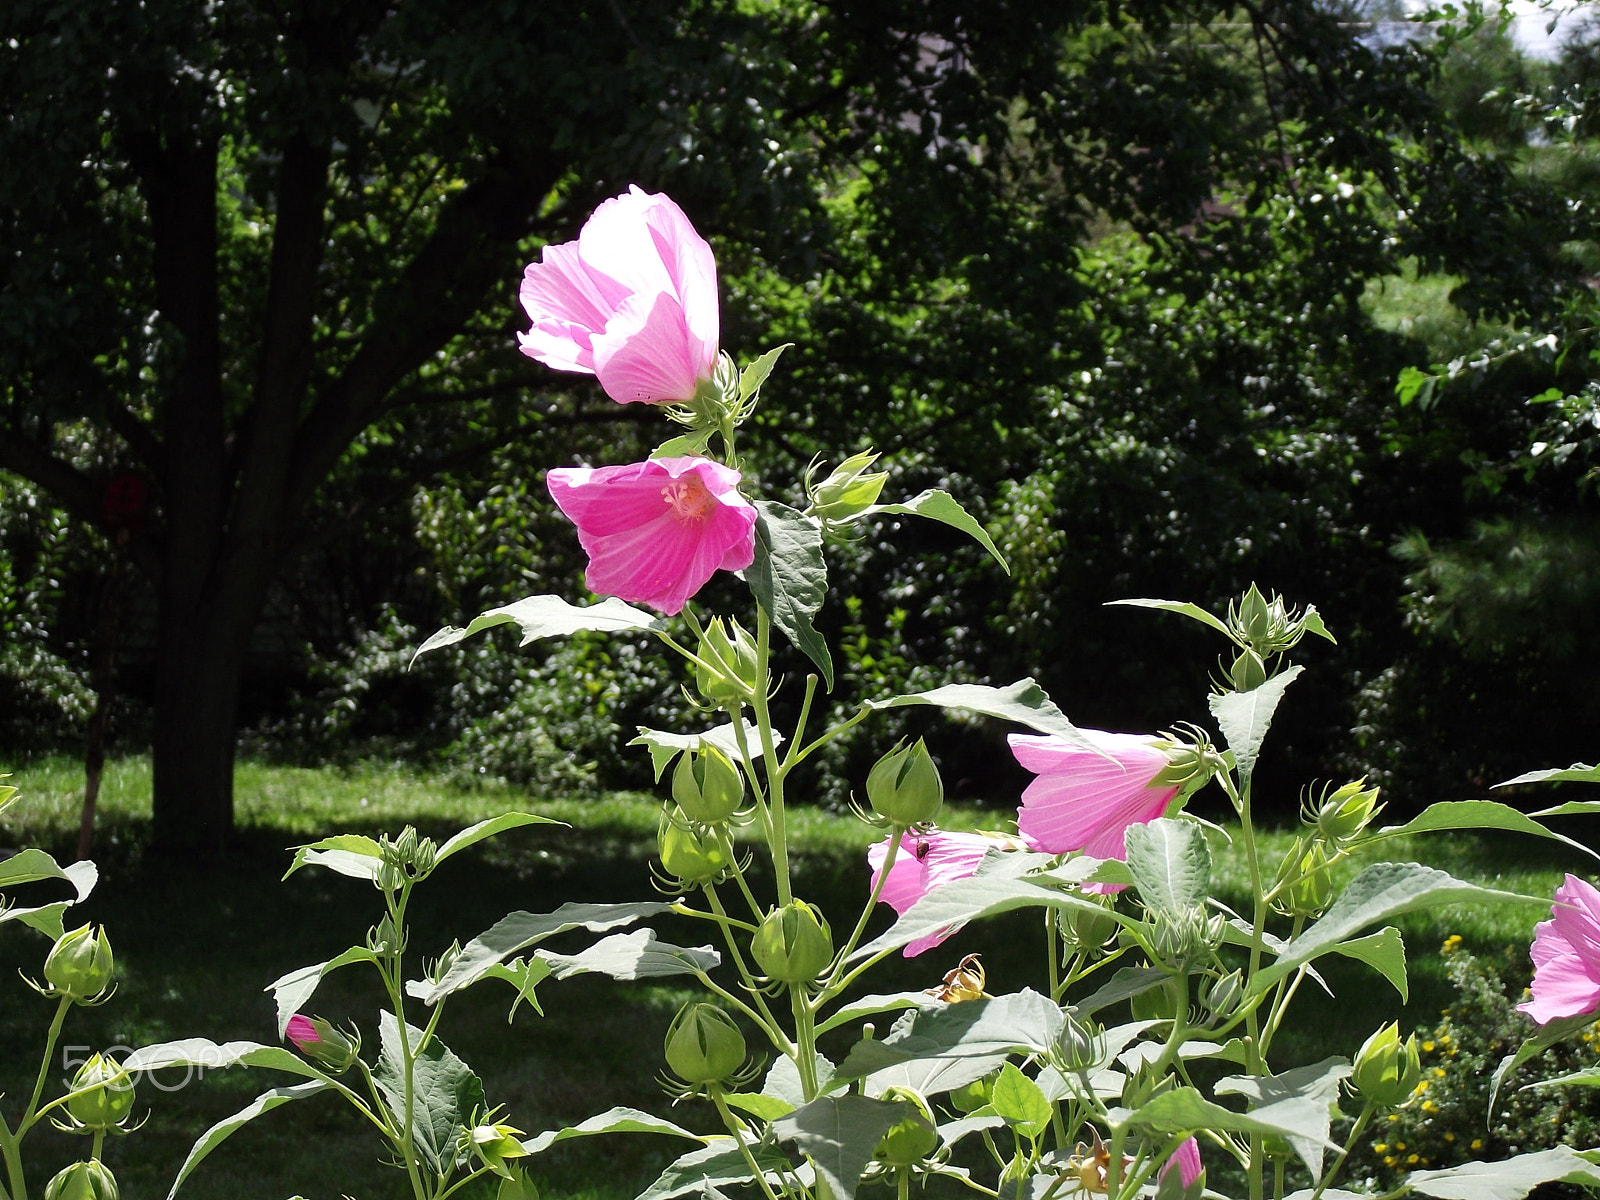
[(1187, 1159), (1086, 801), (1566, 955), (633, 302), (655, 531), (923, 863), (302, 1032)]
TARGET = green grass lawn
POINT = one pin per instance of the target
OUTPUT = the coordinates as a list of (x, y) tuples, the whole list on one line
[(195, 949)]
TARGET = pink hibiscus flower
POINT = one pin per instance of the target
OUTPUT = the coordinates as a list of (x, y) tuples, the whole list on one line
[(633, 302), (1086, 801), (923, 863), (655, 531), (1187, 1159), (1566, 955), (302, 1032)]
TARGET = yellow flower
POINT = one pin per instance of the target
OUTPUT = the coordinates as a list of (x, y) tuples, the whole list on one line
[(1428, 1046), (1477, 1143), (1453, 942), (1380, 1148), (1412, 1159), (1388, 1160), (1439, 1072), (1449, 1137), (1428, 1106)]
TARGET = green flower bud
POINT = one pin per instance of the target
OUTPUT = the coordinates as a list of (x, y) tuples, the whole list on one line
[(494, 1144), (80, 964), (706, 785), (516, 1186), (106, 1095), (1080, 1045), (1220, 997), (848, 492), (904, 786), (1309, 888), (1387, 1070), (1341, 816), (734, 664), (972, 1096), (794, 944), (409, 856), (83, 1181), (912, 1139), (688, 857), (703, 1044), (1159, 1003), (1088, 932), (319, 1041), (1248, 671)]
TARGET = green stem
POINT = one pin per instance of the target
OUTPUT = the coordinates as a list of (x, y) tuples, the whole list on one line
[(393, 981), (800, 725), (903, 1183), (99, 1142), (1050, 944), (828, 735), (462, 1182), (1254, 1063), (31, 1114), (11, 1151), (774, 1030), (736, 1127), (833, 986), (1349, 1142), (769, 753), (805, 1033)]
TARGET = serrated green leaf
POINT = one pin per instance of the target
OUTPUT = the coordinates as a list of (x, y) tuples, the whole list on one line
[(868, 1006), (1588, 1077), (616, 1120), (1023, 702), (1475, 814), (838, 1134), (945, 508), (1311, 622), (519, 930), (755, 374), (212, 1056), (445, 1091), (1020, 1102), (1171, 864), (222, 1130), (291, 991), (1576, 773), (33, 865), (546, 616), (789, 578), (1192, 611), (522, 974), (1384, 952), (473, 834), (1127, 983), (1245, 717), (783, 1079), (1509, 1179), (1382, 891), (1185, 1110)]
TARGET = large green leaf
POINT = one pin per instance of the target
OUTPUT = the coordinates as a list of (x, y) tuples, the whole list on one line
[(1244, 717), (218, 1133), (942, 506), (1127, 983), (1558, 1030), (1576, 773), (352, 854), (634, 955), (838, 1134), (1024, 1022), (755, 373), (445, 1092), (1588, 1077), (1384, 952), (1020, 1101), (783, 1080), (519, 930), (1305, 1096), (1509, 1179), (1382, 891), (867, 1006), (28, 866), (1475, 814), (954, 904), (1024, 702), (207, 1055), (789, 578), (664, 747), (1170, 864), (546, 616), (473, 834), (1185, 1110), (616, 1120), (706, 1171), (1192, 611), (291, 991)]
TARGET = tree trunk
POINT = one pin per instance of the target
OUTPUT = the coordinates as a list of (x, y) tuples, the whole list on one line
[(196, 709)]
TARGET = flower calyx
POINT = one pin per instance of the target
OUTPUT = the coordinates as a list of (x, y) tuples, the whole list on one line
[(1387, 1070), (91, 1180), (492, 1143), (728, 670), (1341, 816), (904, 787), (101, 1097), (704, 1047), (706, 785), (793, 945), (407, 857), (690, 857), (849, 491), (324, 1044), (911, 1139), (80, 966)]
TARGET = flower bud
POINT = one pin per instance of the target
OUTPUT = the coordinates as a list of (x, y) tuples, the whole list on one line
[(904, 786), (319, 1041), (706, 785), (1088, 932), (410, 856), (80, 964), (383, 939), (688, 857), (1189, 764), (1309, 883), (794, 944), (729, 667), (493, 1144), (703, 1044), (83, 1181), (1386, 1069), (1248, 671), (1220, 997), (516, 1186), (1176, 939), (1159, 1003), (1342, 816), (848, 492), (1080, 1045), (102, 1093), (911, 1139)]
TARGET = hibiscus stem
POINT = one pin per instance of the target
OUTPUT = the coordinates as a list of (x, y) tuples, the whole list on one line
[(778, 837), (1050, 944), (834, 986)]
